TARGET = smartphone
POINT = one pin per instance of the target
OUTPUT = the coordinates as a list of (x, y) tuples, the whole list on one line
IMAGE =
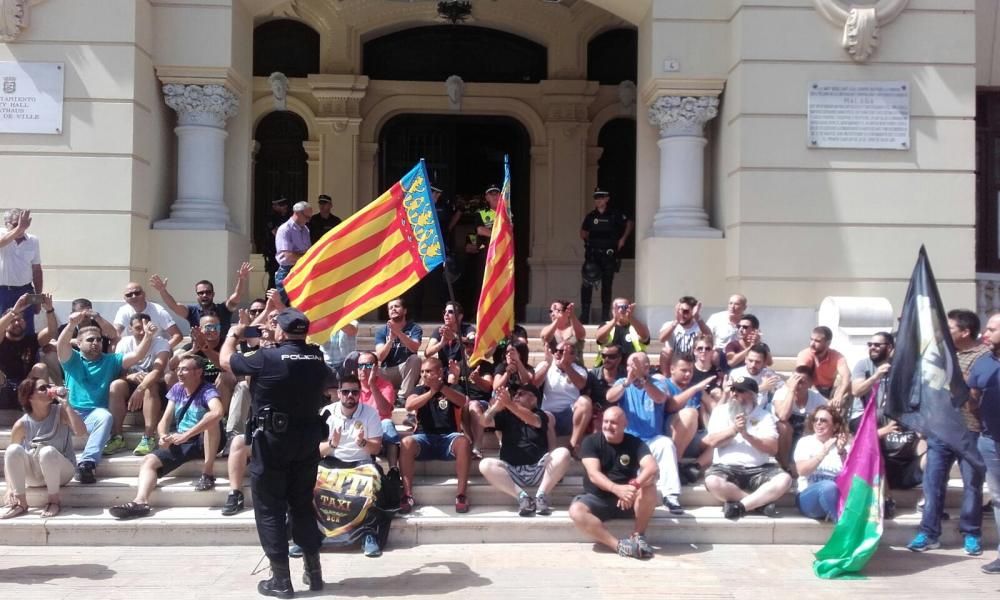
[(36, 299), (251, 331)]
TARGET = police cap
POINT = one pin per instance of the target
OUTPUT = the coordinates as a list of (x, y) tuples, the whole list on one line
[(279, 202), (293, 322), (493, 188), (599, 193), (323, 198)]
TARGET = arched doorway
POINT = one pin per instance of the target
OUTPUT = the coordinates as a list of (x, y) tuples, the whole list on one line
[(464, 155), (280, 170), (616, 169)]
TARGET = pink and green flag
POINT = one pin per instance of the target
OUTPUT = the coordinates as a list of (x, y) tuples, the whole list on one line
[(857, 532)]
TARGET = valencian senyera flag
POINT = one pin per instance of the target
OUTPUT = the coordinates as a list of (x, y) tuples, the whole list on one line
[(495, 317), (856, 535), (926, 387), (372, 257)]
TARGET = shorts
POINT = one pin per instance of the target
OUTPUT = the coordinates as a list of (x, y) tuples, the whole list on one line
[(903, 474), (436, 446), (696, 447), (604, 508), (747, 479), (527, 475), (389, 433), (177, 455), (564, 421)]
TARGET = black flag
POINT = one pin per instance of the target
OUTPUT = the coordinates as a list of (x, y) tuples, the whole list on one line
[(926, 388)]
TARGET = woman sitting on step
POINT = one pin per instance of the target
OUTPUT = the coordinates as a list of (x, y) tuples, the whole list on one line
[(819, 458), (41, 446)]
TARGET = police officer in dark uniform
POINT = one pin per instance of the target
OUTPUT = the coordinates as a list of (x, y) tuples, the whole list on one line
[(604, 232), (284, 433)]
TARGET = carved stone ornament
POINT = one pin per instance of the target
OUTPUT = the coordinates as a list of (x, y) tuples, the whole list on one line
[(626, 96), (682, 115), (860, 22), (13, 18), (279, 90), (201, 104), (455, 87)]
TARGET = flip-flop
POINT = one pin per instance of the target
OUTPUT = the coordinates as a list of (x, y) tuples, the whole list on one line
[(15, 510), (51, 509)]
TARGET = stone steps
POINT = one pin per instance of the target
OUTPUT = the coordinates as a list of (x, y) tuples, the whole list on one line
[(188, 526)]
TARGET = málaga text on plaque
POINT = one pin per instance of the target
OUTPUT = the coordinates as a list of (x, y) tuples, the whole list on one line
[(31, 97)]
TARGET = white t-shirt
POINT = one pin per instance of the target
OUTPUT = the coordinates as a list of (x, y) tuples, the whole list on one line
[(128, 344), (16, 260), (682, 339), (764, 398), (159, 315), (737, 451), (560, 393), (364, 418), (723, 331), (814, 400), (831, 466)]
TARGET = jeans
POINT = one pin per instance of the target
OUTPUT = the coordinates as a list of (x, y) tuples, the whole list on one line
[(990, 449), (98, 422), (389, 433), (279, 280), (819, 500), (940, 457)]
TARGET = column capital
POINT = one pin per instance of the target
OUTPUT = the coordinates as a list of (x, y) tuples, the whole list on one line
[(682, 115), (209, 105)]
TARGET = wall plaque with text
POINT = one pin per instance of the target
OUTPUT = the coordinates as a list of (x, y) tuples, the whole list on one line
[(31, 97), (859, 114)]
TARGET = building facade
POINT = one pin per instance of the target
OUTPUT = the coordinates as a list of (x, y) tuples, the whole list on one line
[(174, 138)]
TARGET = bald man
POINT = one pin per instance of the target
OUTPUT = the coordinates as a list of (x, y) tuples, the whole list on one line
[(620, 483), (725, 324), (136, 302)]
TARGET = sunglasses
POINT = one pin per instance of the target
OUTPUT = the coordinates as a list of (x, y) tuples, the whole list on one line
[(559, 352), (91, 340), (350, 392), (255, 311), (877, 344), (449, 311), (212, 328), (366, 366), (133, 294), (827, 420), (621, 307), (744, 327)]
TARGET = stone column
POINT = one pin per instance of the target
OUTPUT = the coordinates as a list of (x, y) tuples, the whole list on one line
[(202, 111), (681, 121)]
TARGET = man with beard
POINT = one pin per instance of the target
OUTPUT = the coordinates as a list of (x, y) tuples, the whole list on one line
[(748, 337), (984, 381), (624, 330), (829, 366), (743, 474), (144, 379), (724, 323), (396, 347), (755, 367), (680, 333), (870, 378), (205, 292)]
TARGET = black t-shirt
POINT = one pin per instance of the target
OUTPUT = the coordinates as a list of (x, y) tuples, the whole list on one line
[(438, 415), (318, 226), (619, 462), (465, 386), (445, 212), (18, 356), (453, 350), (289, 378), (597, 386), (211, 370), (605, 228), (522, 444)]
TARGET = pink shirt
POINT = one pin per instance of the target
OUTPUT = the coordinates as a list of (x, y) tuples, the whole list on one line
[(388, 392)]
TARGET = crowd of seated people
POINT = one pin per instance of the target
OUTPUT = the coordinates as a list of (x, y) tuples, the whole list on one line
[(712, 408)]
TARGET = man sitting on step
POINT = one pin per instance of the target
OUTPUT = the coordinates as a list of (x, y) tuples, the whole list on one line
[(620, 483), (528, 455), (743, 474), (189, 430)]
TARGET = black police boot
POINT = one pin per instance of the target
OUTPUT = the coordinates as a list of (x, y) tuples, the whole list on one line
[(313, 573), (280, 583)]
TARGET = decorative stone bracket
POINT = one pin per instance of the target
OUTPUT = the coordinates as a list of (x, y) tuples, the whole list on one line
[(860, 22), (14, 17), (339, 98)]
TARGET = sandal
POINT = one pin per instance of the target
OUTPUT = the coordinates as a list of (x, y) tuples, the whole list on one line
[(14, 510), (51, 509), (129, 510), (406, 504)]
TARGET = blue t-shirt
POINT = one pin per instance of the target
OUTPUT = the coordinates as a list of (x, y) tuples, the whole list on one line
[(89, 381), (179, 396), (693, 401), (398, 353), (646, 419), (985, 376)]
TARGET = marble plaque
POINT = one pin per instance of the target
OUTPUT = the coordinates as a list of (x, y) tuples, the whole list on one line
[(31, 97), (859, 114)]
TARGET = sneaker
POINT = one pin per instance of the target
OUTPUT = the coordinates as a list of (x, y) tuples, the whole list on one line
[(234, 503), (628, 548), (922, 543), (85, 472), (673, 504), (645, 550), (129, 510), (115, 444), (992, 568), (889, 509), (461, 504), (542, 506), (973, 545), (146, 445), (770, 510), (205, 483), (295, 551), (406, 504), (733, 511), (525, 505), (370, 547)]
